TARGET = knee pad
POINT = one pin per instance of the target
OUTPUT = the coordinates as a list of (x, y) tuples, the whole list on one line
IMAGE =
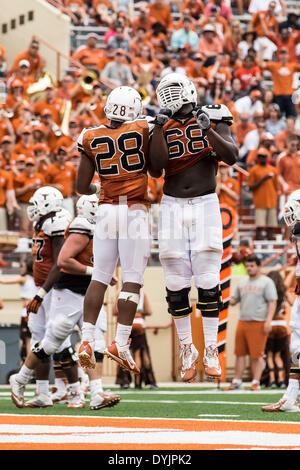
[(61, 327), (209, 301), (38, 350), (66, 358), (99, 356), (179, 302)]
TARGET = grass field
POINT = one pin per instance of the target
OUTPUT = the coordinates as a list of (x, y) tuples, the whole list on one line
[(190, 417)]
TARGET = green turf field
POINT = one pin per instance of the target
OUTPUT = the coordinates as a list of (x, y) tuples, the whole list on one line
[(184, 402)]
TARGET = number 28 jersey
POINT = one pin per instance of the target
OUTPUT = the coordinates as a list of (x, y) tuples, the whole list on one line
[(120, 157)]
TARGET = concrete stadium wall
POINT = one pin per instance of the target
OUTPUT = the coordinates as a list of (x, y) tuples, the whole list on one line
[(39, 18), (160, 344)]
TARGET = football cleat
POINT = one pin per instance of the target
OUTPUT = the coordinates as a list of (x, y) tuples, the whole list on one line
[(211, 363), (86, 356), (59, 396), (41, 400), (122, 355), (255, 387), (234, 386), (17, 391), (285, 404), (189, 357), (101, 400), (76, 400)]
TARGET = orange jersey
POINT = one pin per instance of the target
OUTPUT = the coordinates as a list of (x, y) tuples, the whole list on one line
[(120, 157), (63, 175), (42, 253), (6, 184), (186, 143)]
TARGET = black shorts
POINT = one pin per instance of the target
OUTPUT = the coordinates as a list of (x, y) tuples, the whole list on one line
[(277, 344)]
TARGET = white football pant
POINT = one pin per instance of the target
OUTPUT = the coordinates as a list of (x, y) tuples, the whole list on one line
[(190, 241)]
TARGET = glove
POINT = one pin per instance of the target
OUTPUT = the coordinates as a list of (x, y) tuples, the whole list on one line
[(36, 302), (162, 117), (202, 118)]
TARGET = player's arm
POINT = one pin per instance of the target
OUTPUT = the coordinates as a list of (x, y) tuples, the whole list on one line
[(74, 244), (219, 138), (158, 149), (85, 175), (34, 304)]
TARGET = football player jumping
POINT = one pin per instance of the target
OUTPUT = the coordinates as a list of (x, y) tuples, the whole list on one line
[(187, 142), (288, 402), (119, 153), (50, 223)]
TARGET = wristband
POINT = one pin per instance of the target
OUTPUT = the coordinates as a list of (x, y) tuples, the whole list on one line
[(88, 332), (89, 271), (41, 293)]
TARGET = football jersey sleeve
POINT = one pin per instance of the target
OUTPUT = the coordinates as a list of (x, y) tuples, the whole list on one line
[(82, 226), (56, 226), (218, 113), (81, 145)]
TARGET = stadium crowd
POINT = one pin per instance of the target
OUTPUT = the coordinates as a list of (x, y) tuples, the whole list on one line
[(250, 66)]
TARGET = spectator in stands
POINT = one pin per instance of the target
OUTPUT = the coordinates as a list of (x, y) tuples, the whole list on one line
[(224, 9), (33, 57), (25, 186), (250, 104), (292, 21), (99, 12), (51, 102), (252, 138), (173, 67), (22, 73), (124, 6), (78, 9), (119, 41), (220, 69), (61, 175), (218, 22), (53, 131), (197, 73), (247, 71), (226, 98), (3, 62), (25, 145), (143, 20), (6, 127), (183, 58), (262, 5), (242, 127), (209, 45), (282, 76), (237, 89), (63, 91), (162, 13), (288, 166), (268, 16), (257, 295), (274, 122), (233, 37), (138, 43), (7, 196), (157, 37), (185, 37), (6, 146), (195, 7), (281, 140), (227, 188), (263, 182), (90, 54), (15, 98), (248, 41), (146, 64), (117, 72), (284, 39), (70, 141), (41, 154)]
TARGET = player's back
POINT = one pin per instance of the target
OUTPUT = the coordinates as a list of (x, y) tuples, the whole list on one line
[(78, 283), (120, 156), (45, 229)]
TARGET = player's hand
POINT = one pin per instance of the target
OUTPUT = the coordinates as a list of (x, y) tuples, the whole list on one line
[(34, 304), (202, 118), (163, 117), (113, 281)]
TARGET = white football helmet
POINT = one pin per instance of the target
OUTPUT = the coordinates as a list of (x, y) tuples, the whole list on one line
[(292, 209), (45, 200), (123, 104), (174, 90), (86, 207)]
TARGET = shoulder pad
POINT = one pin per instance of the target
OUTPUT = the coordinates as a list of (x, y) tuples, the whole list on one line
[(55, 226), (218, 113), (82, 226)]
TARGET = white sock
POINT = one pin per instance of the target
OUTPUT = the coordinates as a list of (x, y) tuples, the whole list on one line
[(292, 390), (210, 330), (122, 334), (88, 332), (80, 373), (75, 387), (60, 384), (42, 386), (25, 375), (96, 386), (237, 381), (255, 382), (184, 329)]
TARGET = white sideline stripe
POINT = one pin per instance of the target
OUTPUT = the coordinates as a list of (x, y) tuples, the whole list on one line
[(50, 429), (174, 402), (222, 416), (149, 418), (179, 392), (269, 439)]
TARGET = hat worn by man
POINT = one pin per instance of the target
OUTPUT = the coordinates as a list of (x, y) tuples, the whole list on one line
[(92, 35), (6, 140), (24, 63), (27, 130), (267, 136), (46, 112), (262, 151), (208, 28), (30, 161), (255, 93)]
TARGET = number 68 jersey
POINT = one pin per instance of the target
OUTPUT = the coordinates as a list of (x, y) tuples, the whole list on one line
[(120, 156)]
